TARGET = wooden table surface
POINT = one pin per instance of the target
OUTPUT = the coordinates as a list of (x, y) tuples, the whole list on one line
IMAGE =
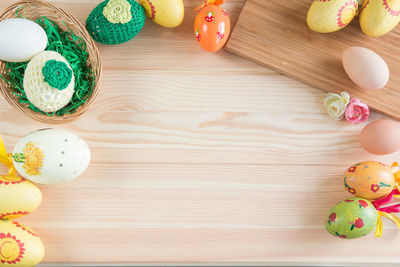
[(200, 159)]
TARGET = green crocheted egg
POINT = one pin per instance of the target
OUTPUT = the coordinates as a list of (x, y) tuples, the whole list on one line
[(115, 21), (352, 218)]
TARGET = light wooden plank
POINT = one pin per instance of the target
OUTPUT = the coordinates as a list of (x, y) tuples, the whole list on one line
[(274, 33), (200, 159)]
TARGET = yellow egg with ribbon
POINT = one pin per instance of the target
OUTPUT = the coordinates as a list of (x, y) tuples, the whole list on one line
[(330, 16), (18, 197), (20, 246), (379, 17), (167, 13), (371, 180)]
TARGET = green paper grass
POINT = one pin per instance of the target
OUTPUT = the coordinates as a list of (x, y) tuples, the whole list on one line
[(73, 49)]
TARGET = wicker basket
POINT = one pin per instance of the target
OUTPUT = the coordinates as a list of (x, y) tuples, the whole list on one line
[(34, 9)]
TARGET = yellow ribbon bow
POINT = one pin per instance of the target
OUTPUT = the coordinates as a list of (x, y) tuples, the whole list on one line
[(379, 225), (6, 159)]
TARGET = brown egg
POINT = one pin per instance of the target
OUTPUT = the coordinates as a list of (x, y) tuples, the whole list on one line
[(381, 137)]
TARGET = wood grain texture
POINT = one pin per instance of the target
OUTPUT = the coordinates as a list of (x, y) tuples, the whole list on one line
[(275, 34), (200, 159)]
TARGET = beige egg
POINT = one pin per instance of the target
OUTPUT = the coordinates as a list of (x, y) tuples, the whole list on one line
[(331, 16), (365, 68), (379, 17), (381, 137), (40, 86)]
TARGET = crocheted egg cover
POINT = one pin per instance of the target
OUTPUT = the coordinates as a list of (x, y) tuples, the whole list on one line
[(115, 21), (40, 93), (57, 74)]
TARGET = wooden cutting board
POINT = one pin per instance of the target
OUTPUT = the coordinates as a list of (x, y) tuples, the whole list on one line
[(274, 33)]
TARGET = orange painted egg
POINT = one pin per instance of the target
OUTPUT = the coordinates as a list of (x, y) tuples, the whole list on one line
[(370, 180), (212, 27)]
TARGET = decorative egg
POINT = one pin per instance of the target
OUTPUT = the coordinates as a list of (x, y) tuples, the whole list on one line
[(370, 180), (49, 81), (379, 17), (18, 197), (331, 16), (212, 27), (20, 246), (365, 68), (167, 13), (352, 218), (381, 137), (115, 21), (21, 40), (51, 156)]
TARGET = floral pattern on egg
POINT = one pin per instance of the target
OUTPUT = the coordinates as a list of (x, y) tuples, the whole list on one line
[(370, 180), (55, 156), (352, 218)]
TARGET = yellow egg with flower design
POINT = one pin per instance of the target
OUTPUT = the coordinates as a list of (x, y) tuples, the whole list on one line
[(18, 197), (379, 17), (20, 246), (167, 13), (371, 180), (327, 16)]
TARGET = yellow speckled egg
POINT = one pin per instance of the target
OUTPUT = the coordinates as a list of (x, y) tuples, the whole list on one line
[(18, 197), (20, 246), (326, 16), (379, 17), (370, 180), (167, 13)]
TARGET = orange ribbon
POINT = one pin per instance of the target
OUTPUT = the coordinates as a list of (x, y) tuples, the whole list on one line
[(6, 159), (209, 2)]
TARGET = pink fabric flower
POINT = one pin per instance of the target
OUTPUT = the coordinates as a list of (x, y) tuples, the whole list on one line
[(356, 112)]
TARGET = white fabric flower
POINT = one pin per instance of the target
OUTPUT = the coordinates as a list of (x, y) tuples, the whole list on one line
[(336, 104)]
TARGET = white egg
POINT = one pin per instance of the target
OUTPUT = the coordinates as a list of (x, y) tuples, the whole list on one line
[(365, 68), (21, 40), (51, 156)]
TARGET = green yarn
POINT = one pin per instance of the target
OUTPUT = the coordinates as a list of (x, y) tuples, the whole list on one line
[(118, 11), (73, 49), (57, 74), (109, 22)]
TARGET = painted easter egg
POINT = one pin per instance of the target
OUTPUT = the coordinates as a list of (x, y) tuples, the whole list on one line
[(370, 180), (49, 81), (21, 40), (381, 137), (331, 16), (352, 218), (116, 21), (18, 197), (379, 17), (167, 13), (20, 246), (365, 68), (51, 156), (212, 27)]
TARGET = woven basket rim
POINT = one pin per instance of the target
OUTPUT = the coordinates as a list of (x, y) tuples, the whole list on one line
[(94, 59)]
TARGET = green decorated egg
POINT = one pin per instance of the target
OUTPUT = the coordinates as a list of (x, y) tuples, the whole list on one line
[(352, 218), (115, 21)]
